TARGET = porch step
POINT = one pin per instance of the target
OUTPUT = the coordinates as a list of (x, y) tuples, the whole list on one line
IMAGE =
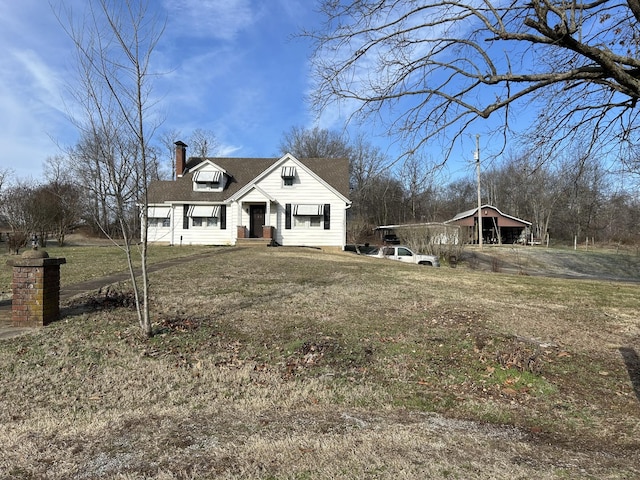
[(253, 242)]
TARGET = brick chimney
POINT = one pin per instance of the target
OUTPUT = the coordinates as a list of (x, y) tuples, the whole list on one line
[(181, 158)]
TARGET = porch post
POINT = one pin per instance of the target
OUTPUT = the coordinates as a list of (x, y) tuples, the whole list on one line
[(267, 215), (240, 228)]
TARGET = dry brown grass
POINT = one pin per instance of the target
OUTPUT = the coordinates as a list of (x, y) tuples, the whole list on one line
[(291, 363)]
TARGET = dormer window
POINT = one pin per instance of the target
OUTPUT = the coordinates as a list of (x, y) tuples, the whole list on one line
[(208, 180), (288, 175)]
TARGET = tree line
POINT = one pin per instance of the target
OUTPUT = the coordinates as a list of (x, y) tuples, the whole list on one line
[(565, 198)]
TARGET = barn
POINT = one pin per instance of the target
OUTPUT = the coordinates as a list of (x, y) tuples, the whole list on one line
[(497, 227)]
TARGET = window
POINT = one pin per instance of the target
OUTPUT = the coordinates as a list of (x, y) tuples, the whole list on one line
[(158, 216), (204, 221), (207, 181), (204, 215), (308, 216), (207, 186), (312, 221), (288, 175), (159, 222), (403, 252)]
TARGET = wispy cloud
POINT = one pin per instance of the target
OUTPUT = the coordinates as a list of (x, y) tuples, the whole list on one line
[(229, 66), (37, 78), (221, 19)]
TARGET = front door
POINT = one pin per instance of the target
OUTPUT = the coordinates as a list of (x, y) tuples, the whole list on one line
[(256, 220)]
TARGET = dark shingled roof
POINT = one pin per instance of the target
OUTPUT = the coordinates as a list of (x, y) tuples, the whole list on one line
[(334, 171)]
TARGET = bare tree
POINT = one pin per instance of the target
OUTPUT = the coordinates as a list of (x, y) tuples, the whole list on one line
[(4, 177), (366, 164), (621, 215), (456, 197), (435, 68), (582, 197), (527, 187), (203, 143), (114, 45), (64, 196), (167, 147), (420, 192), (17, 209), (315, 143), (5, 174)]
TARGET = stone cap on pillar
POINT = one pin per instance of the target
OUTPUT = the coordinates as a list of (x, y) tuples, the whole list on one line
[(35, 258)]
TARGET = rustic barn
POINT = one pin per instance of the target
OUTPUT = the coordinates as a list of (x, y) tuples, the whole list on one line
[(497, 227)]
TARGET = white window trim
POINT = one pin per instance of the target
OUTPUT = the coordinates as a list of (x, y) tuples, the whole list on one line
[(304, 221), (205, 222)]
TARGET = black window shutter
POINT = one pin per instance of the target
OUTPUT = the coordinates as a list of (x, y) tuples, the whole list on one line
[(185, 217), (287, 216), (223, 217), (327, 216)]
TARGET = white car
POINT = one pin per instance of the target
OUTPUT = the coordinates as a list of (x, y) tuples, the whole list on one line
[(404, 254)]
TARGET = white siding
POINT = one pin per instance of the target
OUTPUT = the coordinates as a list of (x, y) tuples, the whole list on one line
[(305, 190), (159, 234), (176, 235)]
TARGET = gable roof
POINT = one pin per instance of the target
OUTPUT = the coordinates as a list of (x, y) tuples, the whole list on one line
[(312, 165), (243, 172), (474, 212), (207, 162)]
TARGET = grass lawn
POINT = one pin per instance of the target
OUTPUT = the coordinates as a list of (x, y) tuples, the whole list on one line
[(290, 363)]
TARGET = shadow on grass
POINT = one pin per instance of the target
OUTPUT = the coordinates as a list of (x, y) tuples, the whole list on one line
[(632, 362)]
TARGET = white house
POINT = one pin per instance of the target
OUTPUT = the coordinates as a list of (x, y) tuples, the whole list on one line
[(217, 201)]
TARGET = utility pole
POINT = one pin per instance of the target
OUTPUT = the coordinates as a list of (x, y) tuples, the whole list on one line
[(477, 159)]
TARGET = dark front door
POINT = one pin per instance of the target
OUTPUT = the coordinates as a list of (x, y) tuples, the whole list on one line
[(256, 222)]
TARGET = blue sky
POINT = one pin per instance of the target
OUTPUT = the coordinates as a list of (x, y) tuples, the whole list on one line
[(235, 68)]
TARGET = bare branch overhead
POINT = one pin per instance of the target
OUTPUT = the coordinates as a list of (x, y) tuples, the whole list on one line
[(433, 68)]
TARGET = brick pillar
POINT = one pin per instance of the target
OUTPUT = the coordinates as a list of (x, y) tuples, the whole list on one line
[(267, 231), (242, 231), (36, 289)]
